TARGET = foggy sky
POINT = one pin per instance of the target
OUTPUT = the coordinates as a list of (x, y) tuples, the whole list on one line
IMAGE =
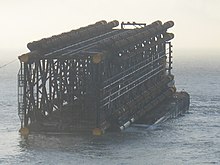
[(197, 22)]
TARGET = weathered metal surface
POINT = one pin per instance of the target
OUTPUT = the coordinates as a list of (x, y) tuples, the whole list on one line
[(73, 36), (95, 77)]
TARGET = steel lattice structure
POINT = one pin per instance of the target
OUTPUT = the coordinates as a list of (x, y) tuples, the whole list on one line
[(95, 77)]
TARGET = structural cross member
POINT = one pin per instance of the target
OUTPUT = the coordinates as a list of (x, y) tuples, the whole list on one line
[(98, 76)]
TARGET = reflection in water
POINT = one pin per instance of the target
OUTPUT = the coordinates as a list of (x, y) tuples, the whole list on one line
[(181, 139), (23, 143)]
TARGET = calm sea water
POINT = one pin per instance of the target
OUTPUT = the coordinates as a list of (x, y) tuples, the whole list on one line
[(190, 139)]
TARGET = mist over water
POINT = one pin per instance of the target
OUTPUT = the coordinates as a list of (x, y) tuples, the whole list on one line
[(190, 139)]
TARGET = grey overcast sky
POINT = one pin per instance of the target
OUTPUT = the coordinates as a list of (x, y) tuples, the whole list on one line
[(197, 22)]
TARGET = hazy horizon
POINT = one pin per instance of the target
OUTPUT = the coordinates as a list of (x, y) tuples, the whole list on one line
[(197, 22)]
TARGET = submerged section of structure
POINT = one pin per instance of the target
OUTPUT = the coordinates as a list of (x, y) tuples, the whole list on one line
[(98, 76)]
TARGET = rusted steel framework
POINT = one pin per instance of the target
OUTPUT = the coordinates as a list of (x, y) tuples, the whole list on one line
[(95, 76)]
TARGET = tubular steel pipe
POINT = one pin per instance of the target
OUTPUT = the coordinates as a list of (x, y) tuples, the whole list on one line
[(145, 33), (38, 44), (115, 42), (168, 24), (28, 56), (127, 124), (111, 41), (146, 95), (73, 36), (168, 93), (141, 36), (166, 37)]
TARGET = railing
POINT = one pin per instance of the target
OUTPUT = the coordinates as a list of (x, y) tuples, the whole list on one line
[(21, 110), (129, 80)]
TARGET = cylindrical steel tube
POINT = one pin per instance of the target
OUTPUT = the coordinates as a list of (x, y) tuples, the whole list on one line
[(129, 33), (140, 35), (73, 36)]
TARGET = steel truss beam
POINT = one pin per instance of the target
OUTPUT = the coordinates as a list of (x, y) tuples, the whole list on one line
[(83, 82)]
